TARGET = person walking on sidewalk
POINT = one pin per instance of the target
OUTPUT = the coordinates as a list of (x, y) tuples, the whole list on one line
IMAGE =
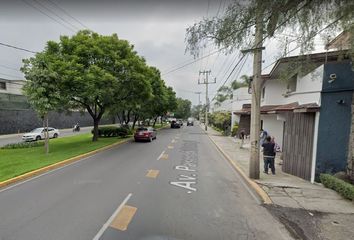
[(268, 155)]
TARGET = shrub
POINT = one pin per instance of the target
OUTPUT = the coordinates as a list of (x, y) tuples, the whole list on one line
[(221, 120), (22, 145), (234, 130), (343, 188), (112, 131)]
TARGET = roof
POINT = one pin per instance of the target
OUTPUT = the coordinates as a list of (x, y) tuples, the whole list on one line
[(273, 109), (339, 42), (315, 58)]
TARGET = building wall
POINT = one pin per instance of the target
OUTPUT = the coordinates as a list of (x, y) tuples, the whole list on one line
[(240, 97), (14, 121), (13, 88), (335, 119), (308, 90), (274, 127), (274, 90)]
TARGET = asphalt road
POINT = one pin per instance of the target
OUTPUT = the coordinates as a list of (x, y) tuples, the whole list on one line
[(15, 138), (177, 187)]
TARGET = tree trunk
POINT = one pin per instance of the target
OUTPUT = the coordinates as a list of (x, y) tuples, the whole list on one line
[(127, 120), (155, 121), (256, 99), (136, 117), (95, 129), (47, 136)]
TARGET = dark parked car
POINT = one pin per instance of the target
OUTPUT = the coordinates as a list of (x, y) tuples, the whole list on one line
[(145, 134), (175, 124)]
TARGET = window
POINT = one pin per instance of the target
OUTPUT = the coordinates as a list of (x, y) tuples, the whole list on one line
[(2, 85), (292, 84), (263, 92)]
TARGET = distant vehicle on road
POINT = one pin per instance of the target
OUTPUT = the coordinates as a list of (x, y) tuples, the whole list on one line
[(180, 121), (39, 133), (145, 133), (190, 122), (175, 124), (76, 128)]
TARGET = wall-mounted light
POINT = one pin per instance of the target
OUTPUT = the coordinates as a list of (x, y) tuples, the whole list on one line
[(332, 78)]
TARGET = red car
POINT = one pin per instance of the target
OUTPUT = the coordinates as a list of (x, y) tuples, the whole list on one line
[(145, 133)]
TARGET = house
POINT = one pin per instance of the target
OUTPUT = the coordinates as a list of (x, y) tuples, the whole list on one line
[(11, 86), (306, 106), (241, 109)]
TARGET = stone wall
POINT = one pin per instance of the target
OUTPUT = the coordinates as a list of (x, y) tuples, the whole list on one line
[(14, 121)]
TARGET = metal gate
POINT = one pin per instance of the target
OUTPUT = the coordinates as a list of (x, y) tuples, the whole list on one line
[(298, 144)]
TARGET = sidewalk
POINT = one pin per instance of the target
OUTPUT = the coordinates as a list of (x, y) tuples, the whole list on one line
[(284, 189), (310, 210)]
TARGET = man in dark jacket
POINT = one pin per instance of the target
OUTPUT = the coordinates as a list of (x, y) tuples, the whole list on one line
[(268, 155)]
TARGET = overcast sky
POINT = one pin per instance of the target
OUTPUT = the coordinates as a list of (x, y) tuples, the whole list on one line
[(156, 28)]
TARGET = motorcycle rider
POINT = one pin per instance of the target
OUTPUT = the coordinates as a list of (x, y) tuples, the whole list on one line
[(77, 127)]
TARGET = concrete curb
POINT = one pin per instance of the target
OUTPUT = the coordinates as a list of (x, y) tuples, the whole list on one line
[(261, 193), (62, 163), (59, 164)]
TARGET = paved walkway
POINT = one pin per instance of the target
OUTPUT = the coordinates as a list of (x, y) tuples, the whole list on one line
[(284, 189)]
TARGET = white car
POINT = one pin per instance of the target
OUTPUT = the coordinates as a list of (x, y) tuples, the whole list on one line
[(39, 133)]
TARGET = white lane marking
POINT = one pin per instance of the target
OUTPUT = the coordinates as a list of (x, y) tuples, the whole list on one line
[(106, 225), (163, 152), (43, 174)]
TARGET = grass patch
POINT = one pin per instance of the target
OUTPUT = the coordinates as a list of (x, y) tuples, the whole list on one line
[(343, 188), (14, 162)]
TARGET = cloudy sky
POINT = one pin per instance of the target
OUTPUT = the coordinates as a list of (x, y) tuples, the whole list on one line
[(156, 28)]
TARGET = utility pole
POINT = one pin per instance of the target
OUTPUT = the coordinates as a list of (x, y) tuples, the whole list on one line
[(256, 97), (206, 82), (199, 103)]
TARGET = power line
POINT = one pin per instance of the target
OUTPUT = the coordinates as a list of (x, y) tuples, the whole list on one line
[(68, 14), (44, 13), (191, 62), (313, 35), (17, 48), (232, 72), (58, 16)]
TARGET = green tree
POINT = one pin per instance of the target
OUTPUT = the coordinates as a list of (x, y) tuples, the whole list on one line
[(95, 72), (183, 109), (40, 88), (243, 21)]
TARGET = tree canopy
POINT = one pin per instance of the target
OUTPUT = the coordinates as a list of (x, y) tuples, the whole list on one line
[(303, 18), (95, 73)]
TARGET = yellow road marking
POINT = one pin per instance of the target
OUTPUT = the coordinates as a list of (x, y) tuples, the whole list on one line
[(152, 173), (170, 147), (164, 156), (124, 217)]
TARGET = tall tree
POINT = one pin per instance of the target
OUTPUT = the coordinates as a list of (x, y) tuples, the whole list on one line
[(97, 72), (183, 109), (259, 19), (40, 88)]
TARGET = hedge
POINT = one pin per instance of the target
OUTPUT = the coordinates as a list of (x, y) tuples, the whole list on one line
[(22, 145), (112, 131), (343, 188)]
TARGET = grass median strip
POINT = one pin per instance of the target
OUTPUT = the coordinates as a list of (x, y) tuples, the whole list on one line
[(14, 162)]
